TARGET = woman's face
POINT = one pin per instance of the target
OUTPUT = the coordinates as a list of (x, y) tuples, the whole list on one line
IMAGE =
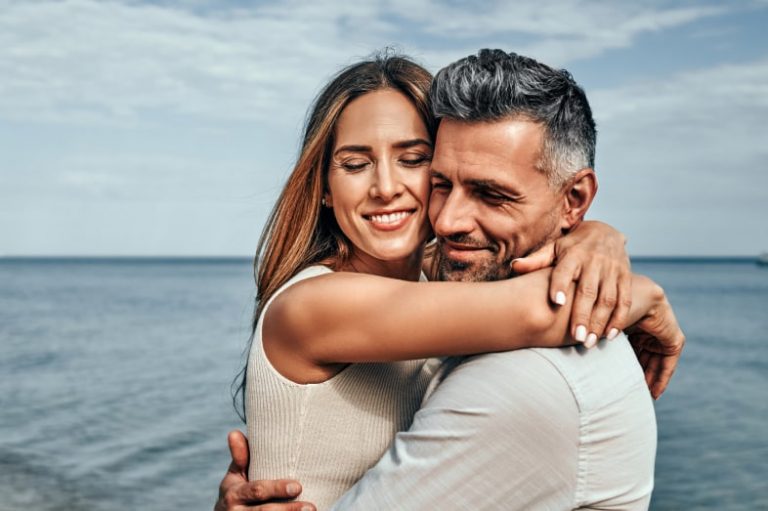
[(378, 180)]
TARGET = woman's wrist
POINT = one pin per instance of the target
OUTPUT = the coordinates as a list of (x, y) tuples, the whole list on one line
[(646, 295)]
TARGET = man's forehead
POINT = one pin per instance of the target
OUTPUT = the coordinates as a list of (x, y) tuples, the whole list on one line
[(504, 150)]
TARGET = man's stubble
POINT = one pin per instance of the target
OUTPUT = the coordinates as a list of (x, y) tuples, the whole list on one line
[(491, 269)]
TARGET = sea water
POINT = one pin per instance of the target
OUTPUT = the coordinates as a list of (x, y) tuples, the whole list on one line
[(115, 382)]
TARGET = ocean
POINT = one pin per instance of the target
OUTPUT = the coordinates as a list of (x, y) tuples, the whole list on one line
[(115, 382)]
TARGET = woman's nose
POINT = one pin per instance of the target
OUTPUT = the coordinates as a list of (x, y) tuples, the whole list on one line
[(386, 183)]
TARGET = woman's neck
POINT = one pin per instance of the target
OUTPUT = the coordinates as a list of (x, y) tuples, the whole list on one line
[(408, 268)]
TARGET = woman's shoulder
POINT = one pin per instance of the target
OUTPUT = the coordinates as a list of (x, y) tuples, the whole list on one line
[(309, 272), (304, 274)]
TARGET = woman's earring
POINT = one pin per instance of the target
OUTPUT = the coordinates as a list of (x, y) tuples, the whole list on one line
[(322, 201)]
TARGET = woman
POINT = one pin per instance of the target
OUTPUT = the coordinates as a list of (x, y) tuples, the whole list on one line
[(338, 299)]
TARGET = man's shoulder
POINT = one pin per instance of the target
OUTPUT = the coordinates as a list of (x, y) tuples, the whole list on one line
[(510, 385), (598, 376), (592, 377)]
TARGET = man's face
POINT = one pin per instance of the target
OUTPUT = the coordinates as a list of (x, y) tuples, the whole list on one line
[(489, 203)]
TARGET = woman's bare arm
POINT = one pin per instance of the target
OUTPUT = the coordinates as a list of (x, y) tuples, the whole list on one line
[(316, 326)]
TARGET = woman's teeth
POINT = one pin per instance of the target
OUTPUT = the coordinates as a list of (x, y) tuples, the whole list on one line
[(390, 218)]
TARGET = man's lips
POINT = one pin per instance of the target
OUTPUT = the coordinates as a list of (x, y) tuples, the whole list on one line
[(461, 252)]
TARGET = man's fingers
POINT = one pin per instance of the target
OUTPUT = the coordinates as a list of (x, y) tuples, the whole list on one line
[(541, 258), (237, 472), (284, 506), (620, 314), (238, 449), (261, 491)]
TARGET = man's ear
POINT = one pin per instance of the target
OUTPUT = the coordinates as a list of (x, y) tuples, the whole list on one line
[(577, 197)]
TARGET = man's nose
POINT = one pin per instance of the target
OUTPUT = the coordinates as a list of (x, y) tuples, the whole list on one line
[(387, 183), (455, 215)]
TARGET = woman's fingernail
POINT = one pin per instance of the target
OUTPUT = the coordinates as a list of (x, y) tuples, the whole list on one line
[(560, 298), (581, 333), (613, 333), (293, 489), (306, 508), (591, 340)]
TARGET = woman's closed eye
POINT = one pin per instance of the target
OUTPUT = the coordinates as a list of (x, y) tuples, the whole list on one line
[(354, 164), (415, 160)]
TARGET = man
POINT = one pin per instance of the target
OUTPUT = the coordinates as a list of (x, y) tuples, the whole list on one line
[(528, 429)]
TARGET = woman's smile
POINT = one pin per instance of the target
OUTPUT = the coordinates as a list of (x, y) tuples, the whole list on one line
[(390, 220)]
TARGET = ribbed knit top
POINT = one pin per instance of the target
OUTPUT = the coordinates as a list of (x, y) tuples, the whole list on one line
[(327, 434)]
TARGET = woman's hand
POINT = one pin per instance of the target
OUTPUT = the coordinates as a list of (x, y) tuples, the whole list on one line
[(656, 338), (593, 254)]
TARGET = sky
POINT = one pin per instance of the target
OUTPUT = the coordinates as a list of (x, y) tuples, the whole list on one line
[(138, 128)]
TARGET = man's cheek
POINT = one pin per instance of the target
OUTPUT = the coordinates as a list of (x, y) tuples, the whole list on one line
[(436, 202)]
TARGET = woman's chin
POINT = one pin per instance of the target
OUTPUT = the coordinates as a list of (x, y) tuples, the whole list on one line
[(395, 252)]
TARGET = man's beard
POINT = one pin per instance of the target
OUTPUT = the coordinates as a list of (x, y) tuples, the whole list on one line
[(486, 270), (476, 271)]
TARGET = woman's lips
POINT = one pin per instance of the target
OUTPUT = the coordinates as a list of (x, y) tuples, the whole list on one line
[(389, 221)]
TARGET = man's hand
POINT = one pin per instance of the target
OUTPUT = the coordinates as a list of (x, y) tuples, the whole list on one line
[(236, 493), (592, 254), (658, 342)]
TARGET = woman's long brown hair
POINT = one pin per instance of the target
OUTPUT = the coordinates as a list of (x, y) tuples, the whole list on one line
[(299, 232)]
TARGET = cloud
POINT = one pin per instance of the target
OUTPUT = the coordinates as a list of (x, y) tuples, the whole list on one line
[(89, 62), (179, 117), (682, 160), (701, 120)]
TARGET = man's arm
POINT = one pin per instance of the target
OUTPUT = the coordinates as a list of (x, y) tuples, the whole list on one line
[(488, 438)]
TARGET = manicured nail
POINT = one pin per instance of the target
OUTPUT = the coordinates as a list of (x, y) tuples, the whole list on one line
[(613, 333), (581, 333), (560, 298), (591, 340), (293, 489), (306, 508)]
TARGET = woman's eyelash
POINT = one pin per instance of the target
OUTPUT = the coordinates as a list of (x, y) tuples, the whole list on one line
[(416, 161), (354, 166)]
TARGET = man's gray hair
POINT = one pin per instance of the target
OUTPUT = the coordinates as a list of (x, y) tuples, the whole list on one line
[(495, 85)]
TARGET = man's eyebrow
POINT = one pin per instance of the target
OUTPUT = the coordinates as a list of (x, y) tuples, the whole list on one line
[(495, 185), (437, 174)]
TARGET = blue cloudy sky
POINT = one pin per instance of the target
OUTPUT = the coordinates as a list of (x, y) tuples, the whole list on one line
[(167, 127)]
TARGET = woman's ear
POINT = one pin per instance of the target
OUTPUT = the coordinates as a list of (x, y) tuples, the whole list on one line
[(327, 200), (577, 197)]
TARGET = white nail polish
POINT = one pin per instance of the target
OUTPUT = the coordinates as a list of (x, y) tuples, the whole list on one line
[(560, 298), (581, 333), (591, 340), (613, 333)]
